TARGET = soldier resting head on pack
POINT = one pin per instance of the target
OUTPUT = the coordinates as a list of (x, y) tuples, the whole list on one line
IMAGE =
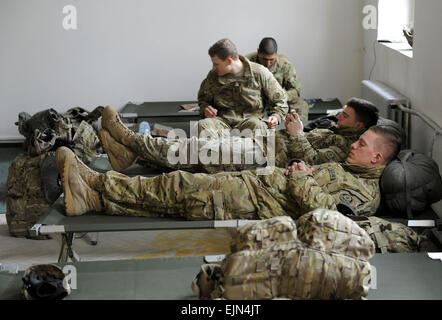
[(329, 145), (233, 195), (283, 71)]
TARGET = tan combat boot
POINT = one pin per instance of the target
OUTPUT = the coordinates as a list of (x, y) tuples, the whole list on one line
[(112, 123), (120, 156), (78, 183)]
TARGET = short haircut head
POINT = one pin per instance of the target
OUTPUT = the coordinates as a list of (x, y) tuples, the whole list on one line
[(388, 142), (224, 49), (268, 46), (365, 111)]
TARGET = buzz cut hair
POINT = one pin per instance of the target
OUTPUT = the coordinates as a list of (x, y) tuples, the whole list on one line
[(268, 46), (365, 111), (389, 142), (224, 49)]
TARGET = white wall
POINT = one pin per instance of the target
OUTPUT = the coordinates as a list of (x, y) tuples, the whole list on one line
[(134, 50), (419, 78)]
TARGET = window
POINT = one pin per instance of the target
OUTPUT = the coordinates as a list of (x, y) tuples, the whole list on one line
[(393, 17)]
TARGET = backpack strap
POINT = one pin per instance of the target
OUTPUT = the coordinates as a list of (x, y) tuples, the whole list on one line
[(81, 114), (381, 239), (406, 167)]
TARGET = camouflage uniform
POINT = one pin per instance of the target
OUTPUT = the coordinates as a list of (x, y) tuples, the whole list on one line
[(227, 153), (315, 147), (239, 99), (285, 74), (245, 194)]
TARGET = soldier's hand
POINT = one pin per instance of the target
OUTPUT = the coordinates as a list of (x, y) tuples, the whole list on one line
[(293, 123), (210, 112), (272, 122), (298, 166)]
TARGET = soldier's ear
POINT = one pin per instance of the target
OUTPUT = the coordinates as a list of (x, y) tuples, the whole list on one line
[(360, 125), (378, 158), (229, 60)]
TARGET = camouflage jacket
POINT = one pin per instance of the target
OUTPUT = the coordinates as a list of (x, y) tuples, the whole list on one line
[(330, 184), (315, 147), (237, 98), (285, 74)]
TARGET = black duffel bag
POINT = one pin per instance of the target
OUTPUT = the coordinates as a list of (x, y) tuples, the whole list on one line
[(410, 183)]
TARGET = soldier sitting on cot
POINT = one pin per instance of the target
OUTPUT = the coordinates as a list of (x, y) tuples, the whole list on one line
[(233, 195), (314, 147), (233, 93), (283, 71)]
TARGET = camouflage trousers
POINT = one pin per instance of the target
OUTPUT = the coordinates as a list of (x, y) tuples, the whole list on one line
[(217, 127), (228, 153), (301, 108), (199, 196)]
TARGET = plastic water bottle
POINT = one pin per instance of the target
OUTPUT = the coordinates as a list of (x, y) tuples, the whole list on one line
[(144, 128)]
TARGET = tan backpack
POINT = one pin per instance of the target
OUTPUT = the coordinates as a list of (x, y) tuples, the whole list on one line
[(263, 234), (25, 200), (318, 264), (389, 237)]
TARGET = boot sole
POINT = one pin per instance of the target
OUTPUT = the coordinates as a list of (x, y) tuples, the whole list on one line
[(112, 159), (107, 116), (110, 121)]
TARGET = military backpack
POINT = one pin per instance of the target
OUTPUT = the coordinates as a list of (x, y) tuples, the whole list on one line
[(25, 198), (410, 183), (33, 177), (389, 237), (326, 259), (47, 130)]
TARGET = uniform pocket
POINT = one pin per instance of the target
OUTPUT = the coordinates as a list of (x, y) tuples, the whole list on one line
[(251, 97)]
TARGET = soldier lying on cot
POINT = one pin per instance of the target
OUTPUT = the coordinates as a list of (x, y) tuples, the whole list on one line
[(124, 147), (232, 195)]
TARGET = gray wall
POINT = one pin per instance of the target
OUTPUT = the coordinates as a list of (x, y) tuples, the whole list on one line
[(134, 50), (419, 78)]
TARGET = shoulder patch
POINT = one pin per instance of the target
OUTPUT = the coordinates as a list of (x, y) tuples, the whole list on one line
[(276, 96), (330, 154), (345, 198)]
